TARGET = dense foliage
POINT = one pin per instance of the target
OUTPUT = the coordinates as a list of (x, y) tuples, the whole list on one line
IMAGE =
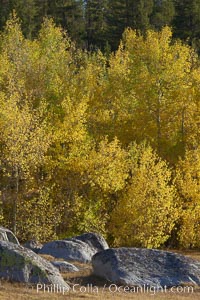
[(91, 142), (100, 23)]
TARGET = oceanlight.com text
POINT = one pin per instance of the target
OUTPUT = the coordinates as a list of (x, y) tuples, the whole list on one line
[(113, 288)]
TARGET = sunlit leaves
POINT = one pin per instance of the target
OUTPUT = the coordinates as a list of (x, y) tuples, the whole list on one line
[(108, 167), (188, 184), (146, 213), (24, 133), (68, 123), (151, 82)]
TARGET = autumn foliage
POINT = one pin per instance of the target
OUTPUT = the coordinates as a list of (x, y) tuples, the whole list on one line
[(97, 143)]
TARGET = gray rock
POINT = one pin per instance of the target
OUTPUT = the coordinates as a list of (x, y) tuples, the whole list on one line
[(8, 236), (23, 265), (64, 266), (94, 240), (80, 248), (138, 267), (69, 250), (33, 245)]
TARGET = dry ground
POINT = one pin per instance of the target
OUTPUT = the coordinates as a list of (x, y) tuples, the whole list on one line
[(88, 287)]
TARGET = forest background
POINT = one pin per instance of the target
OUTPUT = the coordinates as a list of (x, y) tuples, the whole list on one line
[(99, 120)]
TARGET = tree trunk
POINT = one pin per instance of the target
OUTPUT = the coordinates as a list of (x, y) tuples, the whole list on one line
[(15, 200)]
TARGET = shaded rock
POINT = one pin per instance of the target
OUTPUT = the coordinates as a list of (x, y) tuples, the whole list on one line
[(69, 250), (138, 267), (23, 265), (64, 266), (94, 240), (33, 245)]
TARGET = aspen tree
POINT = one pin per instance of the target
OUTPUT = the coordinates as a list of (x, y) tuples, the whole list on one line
[(146, 213), (188, 186)]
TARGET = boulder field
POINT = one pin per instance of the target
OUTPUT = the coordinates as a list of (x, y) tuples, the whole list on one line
[(121, 266)]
